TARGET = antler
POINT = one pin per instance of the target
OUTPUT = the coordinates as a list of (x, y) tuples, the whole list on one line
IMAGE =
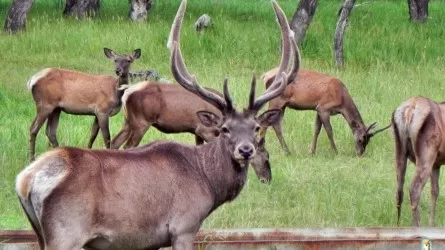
[(183, 77), (380, 130), (282, 78), (180, 72)]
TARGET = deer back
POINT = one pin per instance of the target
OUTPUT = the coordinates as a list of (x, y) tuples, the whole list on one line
[(164, 183), (169, 107), (420, 118), (73, 91), (310, 89)]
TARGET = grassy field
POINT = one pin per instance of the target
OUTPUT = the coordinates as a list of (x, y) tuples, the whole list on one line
[(387, 60)]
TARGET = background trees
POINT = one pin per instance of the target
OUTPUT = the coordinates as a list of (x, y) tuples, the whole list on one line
[(301, 20), (16, 18), (418, 10)]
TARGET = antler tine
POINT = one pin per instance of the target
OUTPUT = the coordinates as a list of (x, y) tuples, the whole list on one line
[(288, 45), (252, 93), (380, 130), (295, 68), (227, 96), (178, 68)]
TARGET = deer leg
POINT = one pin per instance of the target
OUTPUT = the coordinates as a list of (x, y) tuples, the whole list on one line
[(136, 136), (401, 162), (103, 120), (51, 127), (42, 115), (183, 242), (121, 137), (434, 193), (425, 160), (326, 121), (65, 241), (279, 133), (317, 129), (94, 132)]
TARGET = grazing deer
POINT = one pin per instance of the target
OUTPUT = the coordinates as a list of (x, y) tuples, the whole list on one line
[(419, 131), (158, 194), (326, 95), (55, 90)]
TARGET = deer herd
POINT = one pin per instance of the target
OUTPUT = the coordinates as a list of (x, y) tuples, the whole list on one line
[(159, 194)]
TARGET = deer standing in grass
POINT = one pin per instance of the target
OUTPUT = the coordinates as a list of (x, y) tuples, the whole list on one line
[(327, 96), (168, 107), (419, 131), (158, 194), (55, 90)]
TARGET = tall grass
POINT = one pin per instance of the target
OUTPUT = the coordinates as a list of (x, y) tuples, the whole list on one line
[(387, 60)]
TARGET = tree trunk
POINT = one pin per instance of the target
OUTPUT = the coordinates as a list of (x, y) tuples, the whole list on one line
[(139, 9), (344, 12), (303, 18), (81, 8), (16, 18), (418, 10)]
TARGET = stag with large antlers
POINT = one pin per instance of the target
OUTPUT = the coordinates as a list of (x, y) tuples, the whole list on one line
[(419, 132), (172, 109), (326, 95), (155, 195), (55, 90)]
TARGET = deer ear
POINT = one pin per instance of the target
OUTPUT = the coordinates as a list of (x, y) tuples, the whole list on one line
[(109, 53), (269, 118), (208, 119), (136, 53)]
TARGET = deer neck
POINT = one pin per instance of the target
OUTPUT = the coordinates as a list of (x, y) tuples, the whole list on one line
[(353, 117), (226, 177), (122, 80)]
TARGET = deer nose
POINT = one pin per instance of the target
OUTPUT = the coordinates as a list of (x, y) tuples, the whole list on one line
[(118, 71), (246, 150)]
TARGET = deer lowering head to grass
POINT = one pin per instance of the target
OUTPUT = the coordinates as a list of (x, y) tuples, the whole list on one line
[(326, 95), (419, 132), (158, 194), (55, 90)]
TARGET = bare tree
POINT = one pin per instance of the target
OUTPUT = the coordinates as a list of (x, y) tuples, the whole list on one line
[(344, 13), (303, 18), (16, 18), (418, 10), (81, 8)]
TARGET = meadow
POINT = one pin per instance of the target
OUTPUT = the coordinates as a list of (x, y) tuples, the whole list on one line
[(387, 60)]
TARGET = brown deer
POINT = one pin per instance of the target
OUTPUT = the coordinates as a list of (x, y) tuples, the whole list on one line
[(172, 109), (168, 107), (55, 90), (326, 95), (156, 195), (419, 131)]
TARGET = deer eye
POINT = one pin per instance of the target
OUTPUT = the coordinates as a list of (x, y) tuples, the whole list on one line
[(257, 129), (225, 130)]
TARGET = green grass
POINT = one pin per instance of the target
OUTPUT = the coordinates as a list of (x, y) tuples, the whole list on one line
[(387, 60)]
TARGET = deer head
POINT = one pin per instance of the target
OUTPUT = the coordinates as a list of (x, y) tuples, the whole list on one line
[(238, 129), (122, 62), (362, 137)]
